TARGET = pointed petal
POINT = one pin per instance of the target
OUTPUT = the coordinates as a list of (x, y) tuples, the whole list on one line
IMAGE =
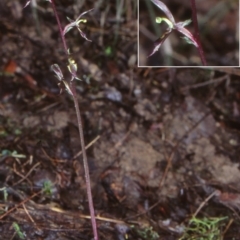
[(67, 88), (27, 3), (83, 14), (188, 35), (185, 23), (68, 27), (158, 43), (83, 35), (56, 69), (70, 20)]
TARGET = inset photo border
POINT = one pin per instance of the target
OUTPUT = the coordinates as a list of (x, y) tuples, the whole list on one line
[(188, 33)]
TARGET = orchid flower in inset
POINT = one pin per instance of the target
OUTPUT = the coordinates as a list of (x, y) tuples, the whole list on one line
[(76, 24), (172, 25)]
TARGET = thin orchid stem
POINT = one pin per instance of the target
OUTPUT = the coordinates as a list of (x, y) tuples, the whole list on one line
[(196, 34), (60, 27), (85, 162), (81, 135)]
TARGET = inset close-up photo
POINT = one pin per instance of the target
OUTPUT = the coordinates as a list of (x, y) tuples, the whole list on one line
[(188, 33)]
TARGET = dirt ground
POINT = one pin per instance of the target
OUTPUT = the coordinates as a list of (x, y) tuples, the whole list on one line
[(162, 144)]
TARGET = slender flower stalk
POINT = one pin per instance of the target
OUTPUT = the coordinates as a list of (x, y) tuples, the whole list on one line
[(71, 89), (196, 34), (59, 27)]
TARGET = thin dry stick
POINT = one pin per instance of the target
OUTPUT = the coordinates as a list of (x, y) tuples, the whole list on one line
[(59, 210), (26, 176), (234, 71), (88, 146), (27, 212), (169, 163), (176, 146), (204, 203), (228, 226), (216, 80), (19, 204), (19, 174)]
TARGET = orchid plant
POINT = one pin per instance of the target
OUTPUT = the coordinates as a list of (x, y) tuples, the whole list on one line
[(173, 26), (69, 86)]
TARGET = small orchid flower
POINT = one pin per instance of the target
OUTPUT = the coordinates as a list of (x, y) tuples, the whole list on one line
[(62, 83), (76, 24), (172, 25), (72, 68)]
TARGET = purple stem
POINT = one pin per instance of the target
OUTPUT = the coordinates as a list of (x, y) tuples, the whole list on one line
[(196, 32), (80, 128), (85, 162), (60, 27)]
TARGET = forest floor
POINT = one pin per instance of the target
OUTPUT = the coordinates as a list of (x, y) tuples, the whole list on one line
[(162, 144)]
